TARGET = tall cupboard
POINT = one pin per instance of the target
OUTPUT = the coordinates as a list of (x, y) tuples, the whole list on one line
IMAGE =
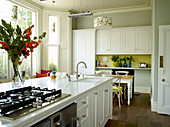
[(84, 50)]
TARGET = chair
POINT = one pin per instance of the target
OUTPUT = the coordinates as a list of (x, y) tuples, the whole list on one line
[(123, 84), (122, 72), (117, 89)]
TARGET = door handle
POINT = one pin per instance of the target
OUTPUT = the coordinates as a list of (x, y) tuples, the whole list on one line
[(163, 80)]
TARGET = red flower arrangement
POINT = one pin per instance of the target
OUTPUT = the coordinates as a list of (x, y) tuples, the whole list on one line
[(18, 44)]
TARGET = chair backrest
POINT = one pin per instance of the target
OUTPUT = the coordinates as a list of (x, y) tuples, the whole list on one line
[(122, 72), (117, 79)]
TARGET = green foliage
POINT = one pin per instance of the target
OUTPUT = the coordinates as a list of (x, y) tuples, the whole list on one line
[(17, 43), (124, 59), (130, 58), (53, 67), (115, 58)]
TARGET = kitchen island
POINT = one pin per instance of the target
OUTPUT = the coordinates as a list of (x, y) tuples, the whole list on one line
[(93, 97)]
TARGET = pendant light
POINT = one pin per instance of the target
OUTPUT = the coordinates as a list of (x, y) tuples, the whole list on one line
[(102, 23), (82, 14)]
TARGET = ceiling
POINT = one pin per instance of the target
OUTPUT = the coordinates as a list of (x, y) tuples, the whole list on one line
[(91, 5)]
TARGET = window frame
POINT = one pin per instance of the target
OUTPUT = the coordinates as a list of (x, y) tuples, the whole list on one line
[(36, 10), (57, 45)]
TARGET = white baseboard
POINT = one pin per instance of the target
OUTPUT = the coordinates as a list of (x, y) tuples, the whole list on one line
[(154, 106), (142, 89)]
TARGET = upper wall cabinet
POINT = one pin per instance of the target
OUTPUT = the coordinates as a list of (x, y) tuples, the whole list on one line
[(84, 50), (132, 40), (103, 41), (143, 40), (108, 41)]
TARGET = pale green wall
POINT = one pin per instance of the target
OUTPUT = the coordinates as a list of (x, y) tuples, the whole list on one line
[(142, 78), (124, 19), (161, 16)]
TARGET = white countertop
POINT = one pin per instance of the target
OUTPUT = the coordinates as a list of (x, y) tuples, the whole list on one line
[(76, 89), (123, 68)]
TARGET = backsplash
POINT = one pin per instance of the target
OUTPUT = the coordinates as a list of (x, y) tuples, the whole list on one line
[(137, 59)]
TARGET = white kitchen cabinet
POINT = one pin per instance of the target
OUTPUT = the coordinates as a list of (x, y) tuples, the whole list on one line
[(115, 41), (84, 50), (102, 105), (95, 108), (128, 43), (103, 41), (137, 40), (108, 41), (143, 40), (131, 40)]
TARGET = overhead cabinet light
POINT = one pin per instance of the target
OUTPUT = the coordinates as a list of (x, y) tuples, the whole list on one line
[(80, 14)]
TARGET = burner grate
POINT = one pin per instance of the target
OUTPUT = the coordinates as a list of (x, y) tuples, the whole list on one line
[(13, 100)]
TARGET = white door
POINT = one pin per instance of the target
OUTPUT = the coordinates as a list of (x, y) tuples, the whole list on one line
[(164, 70)]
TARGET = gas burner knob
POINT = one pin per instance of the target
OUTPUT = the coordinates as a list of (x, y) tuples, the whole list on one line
[(34, 105), (39, 102), (46, 89), (33, 88), (38, 88), (48, 99), (52, 97)]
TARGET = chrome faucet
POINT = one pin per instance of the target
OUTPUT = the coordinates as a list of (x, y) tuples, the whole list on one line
[(77, 68)]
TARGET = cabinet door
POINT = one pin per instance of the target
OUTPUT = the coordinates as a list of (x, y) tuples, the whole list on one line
[(84, 50), (106, 101), (103, 42), (78, 48), (96, 108), (104, 111), (115, 42), (90, 52), (143, 40), (128, 44)]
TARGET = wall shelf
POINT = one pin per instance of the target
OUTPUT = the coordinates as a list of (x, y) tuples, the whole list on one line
[(108, 68)]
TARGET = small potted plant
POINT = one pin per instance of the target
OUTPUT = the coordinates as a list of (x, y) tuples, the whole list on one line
[(115, 60), (124, 59), (130, 60)]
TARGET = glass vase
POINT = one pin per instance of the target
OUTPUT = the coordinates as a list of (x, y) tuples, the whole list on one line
[(16, 78), (125, 64), (130, 64), (120, 64)]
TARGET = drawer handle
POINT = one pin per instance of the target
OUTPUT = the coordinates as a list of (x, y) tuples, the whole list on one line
[(106, 90), (83, 116), (83, 102), (96, 93)]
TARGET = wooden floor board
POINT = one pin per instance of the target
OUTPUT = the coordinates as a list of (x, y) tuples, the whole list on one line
[(138, 114)]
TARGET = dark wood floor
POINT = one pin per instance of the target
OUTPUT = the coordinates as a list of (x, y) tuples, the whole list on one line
[(138, 114)]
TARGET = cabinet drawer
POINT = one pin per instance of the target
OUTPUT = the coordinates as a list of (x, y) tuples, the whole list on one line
[(84, 123), (83, 115), (82, 102)]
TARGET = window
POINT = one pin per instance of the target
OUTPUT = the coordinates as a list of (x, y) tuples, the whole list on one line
[(25, 18), (53, 46), (3, 64)]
